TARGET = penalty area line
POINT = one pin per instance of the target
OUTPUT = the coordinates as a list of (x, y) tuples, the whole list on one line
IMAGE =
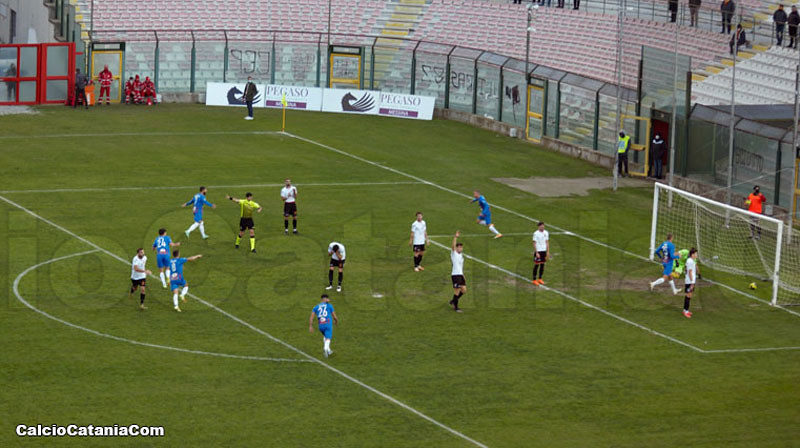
[(30, 269), (263, 333)]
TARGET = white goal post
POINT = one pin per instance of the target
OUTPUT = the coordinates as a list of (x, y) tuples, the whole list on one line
[(728, 239)]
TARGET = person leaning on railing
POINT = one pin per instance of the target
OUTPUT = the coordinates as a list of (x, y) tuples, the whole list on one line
[(728, 7), (779, 17), (694, 8), (793, 21)]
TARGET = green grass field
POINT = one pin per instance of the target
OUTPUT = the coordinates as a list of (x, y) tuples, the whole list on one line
[(595, 361)]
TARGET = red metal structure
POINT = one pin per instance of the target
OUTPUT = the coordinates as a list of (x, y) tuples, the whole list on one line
[(36, 73)]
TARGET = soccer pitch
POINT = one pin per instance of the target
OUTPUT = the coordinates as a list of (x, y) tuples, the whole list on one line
[(592, 359)]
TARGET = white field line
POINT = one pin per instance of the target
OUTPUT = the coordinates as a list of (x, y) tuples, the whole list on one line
[(576, 300), (194, 187), (750, 296), (118, 338), (515, 213), (746, 350), (491, 235), (135, 134), (265, 334)]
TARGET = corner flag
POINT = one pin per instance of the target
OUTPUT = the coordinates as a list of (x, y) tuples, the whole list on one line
[(283, 100)]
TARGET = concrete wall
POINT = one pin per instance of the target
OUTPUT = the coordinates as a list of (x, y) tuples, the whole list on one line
[(33, 25)]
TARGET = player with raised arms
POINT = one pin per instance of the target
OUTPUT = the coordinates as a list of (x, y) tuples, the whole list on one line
[(289, 196), (666, 252), (485, 217), (691, 281), (197, 202), (457, 273), (324, 313), (139, 275), (162, 245), (176, 281), (246, 218), (337, 254), (418, 239)]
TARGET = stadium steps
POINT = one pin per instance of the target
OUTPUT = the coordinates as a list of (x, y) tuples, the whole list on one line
[(399, 18)]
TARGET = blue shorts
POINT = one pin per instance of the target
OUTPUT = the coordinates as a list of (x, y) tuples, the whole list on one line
[(198, 217), (486, 217), (668, 266), (326, 330), (177, 284), (162, 260)]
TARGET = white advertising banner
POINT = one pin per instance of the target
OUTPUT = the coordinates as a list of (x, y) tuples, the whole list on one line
[(406, 106), (349, 101), (230, 94), (300, 98)]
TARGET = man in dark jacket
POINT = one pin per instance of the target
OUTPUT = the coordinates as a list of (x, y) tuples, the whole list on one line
[(779, 17), (738, 38), (657, 149), (793, 21), (694, 8), (728, 7), (673, 10), (81, 81), (249, 96)]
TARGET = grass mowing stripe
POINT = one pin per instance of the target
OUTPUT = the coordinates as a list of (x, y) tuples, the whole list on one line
[(577, 300), (264, 333), (136, 134), (515, 213), (30, 269), (187, 187)]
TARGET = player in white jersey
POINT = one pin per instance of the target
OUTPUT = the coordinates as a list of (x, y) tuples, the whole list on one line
[(418, 239), (457, 274), (691, 281), (541, 252), (139, 273), (289, 196), (337, 254)]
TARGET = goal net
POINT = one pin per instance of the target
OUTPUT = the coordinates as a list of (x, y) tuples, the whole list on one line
[(730, 239)]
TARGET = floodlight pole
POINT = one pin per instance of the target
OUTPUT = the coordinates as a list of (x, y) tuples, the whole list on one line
[(620, 12), (329, 23), (674, 115), (731, 132), (530, 9)]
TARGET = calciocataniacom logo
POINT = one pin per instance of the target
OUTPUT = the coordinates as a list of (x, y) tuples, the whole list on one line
[(352, 104)]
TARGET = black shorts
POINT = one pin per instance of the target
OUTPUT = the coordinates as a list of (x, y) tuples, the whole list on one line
[(689, 288), (458, 281), (289, 208), (540, 257), (138, 283), (419, 248), (337, 263), (246, 223)]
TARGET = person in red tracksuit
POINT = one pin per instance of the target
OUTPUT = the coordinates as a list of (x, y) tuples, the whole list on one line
[(137, 90), (149, 90), (128, 89), (105, 78)]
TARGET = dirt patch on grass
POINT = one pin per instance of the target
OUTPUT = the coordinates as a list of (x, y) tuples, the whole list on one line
[(560, 186)]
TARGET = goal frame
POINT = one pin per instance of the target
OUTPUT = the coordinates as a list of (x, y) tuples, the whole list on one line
[(661, 188)]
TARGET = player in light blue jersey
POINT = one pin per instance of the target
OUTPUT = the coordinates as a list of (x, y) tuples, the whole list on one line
[(666, 253), (176, 280), (325, 315), (197, 202), (162, 245), (485, 218)]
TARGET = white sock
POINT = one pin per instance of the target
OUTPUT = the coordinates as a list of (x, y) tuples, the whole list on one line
[(202, 229), (491, 227), (672, 283), (175, 299), (658, 282), (192, 227), (167, 271), (327, 345), (163, 281), (185, 290)]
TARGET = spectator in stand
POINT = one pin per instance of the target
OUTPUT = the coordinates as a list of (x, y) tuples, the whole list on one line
[(149, 91), (129, 90), (105, 78), (657, 149), (81, 81), (694, 8), (673, 10), (576, 4), (779, 17), (793, 21), (739, 38), (728, 7), (517, 2), (560, 4)]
